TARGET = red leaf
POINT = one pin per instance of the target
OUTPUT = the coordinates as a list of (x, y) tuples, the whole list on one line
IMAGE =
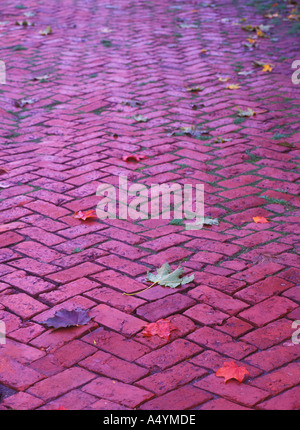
[(161, 328), (85, 215), (133, 158), (231, 370)]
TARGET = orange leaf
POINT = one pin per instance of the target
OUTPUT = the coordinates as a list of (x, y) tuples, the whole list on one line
[(231, 370), (233, 87), (161, 328), (260, 220), (85, 215), (133, 158)]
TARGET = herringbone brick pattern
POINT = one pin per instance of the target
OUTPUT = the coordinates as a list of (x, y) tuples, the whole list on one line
[(104, 63)]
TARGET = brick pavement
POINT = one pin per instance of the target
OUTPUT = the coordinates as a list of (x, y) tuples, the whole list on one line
[(104, 63)]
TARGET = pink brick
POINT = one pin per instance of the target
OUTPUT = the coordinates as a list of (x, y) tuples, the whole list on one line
[(117, 391)]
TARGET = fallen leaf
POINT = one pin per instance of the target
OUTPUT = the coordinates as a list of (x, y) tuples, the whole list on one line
[(161, 328), (267, 68), (260, 220), (246, 72), (83, 215), (262, 64), (231, 370), (64, 318), (24, 23), (271, 15), (246, 113), (3, 170), (46, 32), (195, 89), (11, 226), (131, 103), (24, 102), (29, 14), (165, 277), (223, 79), (133, 158), (233, 87), (222, 139), (193, 131), (140, 118), (42, 78), (210, 221), (184, 25)]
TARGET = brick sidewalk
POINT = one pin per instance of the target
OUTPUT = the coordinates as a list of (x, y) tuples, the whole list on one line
[(104, 63)]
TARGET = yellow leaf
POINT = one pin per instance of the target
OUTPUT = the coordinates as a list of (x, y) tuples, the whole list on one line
[(223, 79), (260, 33), (267, 68), (233, 87)]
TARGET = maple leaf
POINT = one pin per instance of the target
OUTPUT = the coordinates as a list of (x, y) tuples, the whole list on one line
[(64, 318), (260, 219), (231, 370), (165, 277), (133, 158), (85, 215), (161, 328)]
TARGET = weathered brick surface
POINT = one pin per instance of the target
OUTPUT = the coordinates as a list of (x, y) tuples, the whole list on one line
[(106, 65)]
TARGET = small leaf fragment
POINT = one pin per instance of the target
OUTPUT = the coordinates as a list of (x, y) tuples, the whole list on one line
[(134, 158), (233, 87), (246, 113), (84, 215), (140, 118), (260, 219), (46, 32)]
